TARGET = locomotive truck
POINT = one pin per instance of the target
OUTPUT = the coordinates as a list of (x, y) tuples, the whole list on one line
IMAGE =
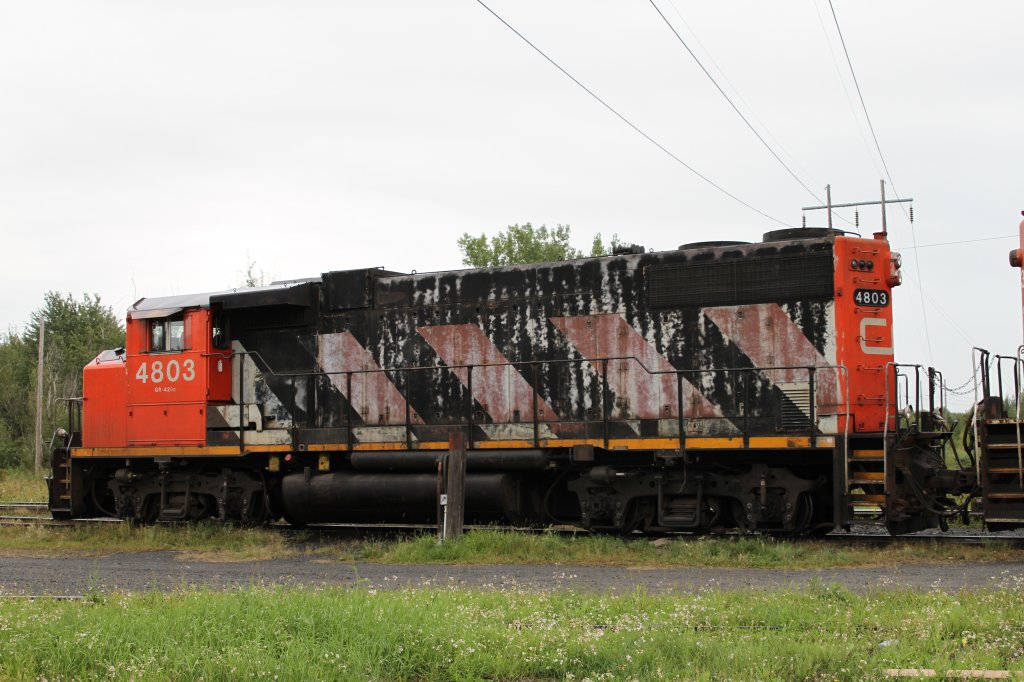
[(721, 385)]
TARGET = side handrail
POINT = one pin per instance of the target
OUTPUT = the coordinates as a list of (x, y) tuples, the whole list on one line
[(976, 370), (841, 371), (1017, 361), (892, 370), (1020, 457)]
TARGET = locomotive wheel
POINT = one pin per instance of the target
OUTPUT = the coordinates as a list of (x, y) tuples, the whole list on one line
[(258, 511), (803, 515), (149, 512), (636, 518), (743, 525)]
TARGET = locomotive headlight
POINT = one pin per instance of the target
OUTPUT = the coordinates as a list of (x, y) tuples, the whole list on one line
[(895, 276)]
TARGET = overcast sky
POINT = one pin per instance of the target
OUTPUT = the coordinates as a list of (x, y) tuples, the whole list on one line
[(150, 148)]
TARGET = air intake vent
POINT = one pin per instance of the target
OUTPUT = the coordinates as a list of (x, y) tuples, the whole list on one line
[(741, 281), (795, 408)]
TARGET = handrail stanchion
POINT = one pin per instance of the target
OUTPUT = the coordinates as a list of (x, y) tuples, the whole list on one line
[(812, 403), (469, 409), (679, 406), (745, 378), (1016, 380), (1016, 397), (536, 423), (917, 395), (408, 425), (605, 412), (348, 411), (976, 371), (931, 390), (241, 404), (999, 375)]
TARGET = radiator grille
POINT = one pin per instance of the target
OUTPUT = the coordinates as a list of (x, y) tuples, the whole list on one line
[(741, 281)]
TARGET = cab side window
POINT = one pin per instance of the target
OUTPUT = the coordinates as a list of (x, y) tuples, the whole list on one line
[(176, 334), (157, 336), (219, 332), (167, 336)]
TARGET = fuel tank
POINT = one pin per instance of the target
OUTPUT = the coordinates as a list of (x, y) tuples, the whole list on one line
[(355, 497)]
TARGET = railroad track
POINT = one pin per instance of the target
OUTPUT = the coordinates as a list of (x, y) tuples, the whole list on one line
[(880, 539), (358, 530), (46, 521), (23, 505)]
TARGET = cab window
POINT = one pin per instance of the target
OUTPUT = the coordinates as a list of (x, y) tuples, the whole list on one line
[(166, 335), (157, 336), (219, 332), (176, 335)]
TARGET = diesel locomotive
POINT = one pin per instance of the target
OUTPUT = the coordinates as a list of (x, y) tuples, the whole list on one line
[(721, 385)]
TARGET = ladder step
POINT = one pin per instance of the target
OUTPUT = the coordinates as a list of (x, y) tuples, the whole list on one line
[(1004, 446), (858, 498), (65, 497), (1005, 496), (1004, 470), (868, 477), (867, 455)]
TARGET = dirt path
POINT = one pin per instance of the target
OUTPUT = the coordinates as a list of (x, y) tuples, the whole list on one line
[(166, 571)]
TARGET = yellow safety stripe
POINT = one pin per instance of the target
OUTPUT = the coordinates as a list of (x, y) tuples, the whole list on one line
[(692, 443), (159, 451)]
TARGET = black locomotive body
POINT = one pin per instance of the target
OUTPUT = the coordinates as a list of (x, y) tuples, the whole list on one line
[(721, 385)]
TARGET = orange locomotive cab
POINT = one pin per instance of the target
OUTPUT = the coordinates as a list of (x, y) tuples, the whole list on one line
[(156, 391)]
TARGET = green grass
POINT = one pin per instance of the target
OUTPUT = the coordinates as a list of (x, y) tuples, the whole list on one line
[(214, 542), (21, 485), (736, 552), (822, 633), (203, 541)]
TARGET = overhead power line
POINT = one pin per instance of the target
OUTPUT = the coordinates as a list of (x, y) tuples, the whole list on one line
[(846, 91), (885, 167), (860, 96), (731, 87), (963, 241), (731, 103), (630, 123)]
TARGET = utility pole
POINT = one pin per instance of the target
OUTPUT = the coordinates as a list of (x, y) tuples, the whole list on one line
[(39, 398), (453, 501), (829, 206)]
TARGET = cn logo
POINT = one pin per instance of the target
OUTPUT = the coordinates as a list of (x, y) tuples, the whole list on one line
[(873, 350)]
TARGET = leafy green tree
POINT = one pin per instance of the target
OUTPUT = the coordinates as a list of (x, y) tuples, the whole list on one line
[(16, 381), (76, 331), (525, 243)]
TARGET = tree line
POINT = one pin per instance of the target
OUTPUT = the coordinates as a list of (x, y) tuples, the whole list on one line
[(75, 331)]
